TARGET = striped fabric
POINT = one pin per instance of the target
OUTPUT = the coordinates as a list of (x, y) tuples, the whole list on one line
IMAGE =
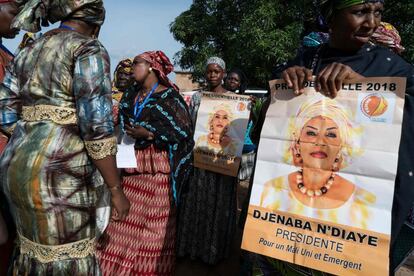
[(342, 4), (144, 243)]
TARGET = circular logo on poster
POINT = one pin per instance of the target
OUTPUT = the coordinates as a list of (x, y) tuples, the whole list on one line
[(374, 105), (241, 106)]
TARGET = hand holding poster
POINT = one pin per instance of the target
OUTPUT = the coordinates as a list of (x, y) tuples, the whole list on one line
[(220, 129), (324, 182)]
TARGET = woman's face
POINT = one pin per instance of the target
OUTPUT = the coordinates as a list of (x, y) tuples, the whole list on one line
[(141, 69), (233, 82), (220, 121), (123, 80), (214, 75), (7, 13), (352, 27), (319, 143)]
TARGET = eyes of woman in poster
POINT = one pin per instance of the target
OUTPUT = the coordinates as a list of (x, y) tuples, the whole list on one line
[(322, 143)]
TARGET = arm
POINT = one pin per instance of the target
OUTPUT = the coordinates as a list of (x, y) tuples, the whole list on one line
[(92, 90), (10, 103)]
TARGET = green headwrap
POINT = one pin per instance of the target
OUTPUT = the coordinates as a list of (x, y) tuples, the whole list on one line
[(328, 7), (34, 13)]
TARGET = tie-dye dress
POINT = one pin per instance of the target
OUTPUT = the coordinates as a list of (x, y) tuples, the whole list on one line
[(56, 102)]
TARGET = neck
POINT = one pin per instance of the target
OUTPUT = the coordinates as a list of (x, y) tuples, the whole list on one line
[(342, 47), (216, 136), (149, 82), (315, 178), (219, 88)]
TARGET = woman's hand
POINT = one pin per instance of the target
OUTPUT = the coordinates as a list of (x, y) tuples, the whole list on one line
[(296, 77), (138, 132), (329, 81), (121, 204)]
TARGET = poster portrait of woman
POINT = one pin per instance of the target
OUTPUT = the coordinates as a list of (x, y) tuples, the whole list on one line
[(322, 142), (218, 139)]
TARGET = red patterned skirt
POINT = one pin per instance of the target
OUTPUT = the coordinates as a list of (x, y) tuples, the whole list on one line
[(143, 244)]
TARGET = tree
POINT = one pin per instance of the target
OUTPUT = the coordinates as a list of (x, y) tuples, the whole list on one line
[(256, 35), (400, 13)]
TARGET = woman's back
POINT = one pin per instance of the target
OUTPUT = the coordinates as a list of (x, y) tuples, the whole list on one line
[(45, 69)]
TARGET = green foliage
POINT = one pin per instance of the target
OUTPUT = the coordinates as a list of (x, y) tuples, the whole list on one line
[(256, 35), (400, 13)]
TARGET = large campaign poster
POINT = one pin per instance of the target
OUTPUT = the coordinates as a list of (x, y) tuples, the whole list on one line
[(324, 182), (222, 120)]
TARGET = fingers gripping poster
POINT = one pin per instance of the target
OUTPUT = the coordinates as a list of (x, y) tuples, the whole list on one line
[(220, 129), (325, 173)]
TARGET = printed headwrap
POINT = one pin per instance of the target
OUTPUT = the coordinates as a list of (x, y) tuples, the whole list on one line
[(328, 7), (216, 60), (161, 64), (387, 35), (124, 66), (36, 13), (314, 39)]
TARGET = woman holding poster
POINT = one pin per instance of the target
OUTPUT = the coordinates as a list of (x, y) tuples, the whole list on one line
[(350, 56), (207, 214)]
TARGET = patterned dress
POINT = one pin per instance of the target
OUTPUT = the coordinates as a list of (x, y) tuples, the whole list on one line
[(56, 102), (6, 249), (5, 58), (144, 244)]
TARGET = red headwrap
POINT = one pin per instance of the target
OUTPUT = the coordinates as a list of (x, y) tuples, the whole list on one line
[(161, 64), (6, 1)]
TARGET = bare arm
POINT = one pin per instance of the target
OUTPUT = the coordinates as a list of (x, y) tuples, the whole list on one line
[(107, 168)]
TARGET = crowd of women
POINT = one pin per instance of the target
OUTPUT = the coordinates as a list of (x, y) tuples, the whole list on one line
[(74, 213)]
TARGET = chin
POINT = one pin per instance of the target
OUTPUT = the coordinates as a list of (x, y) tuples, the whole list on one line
[(318, 166), (214, 84)]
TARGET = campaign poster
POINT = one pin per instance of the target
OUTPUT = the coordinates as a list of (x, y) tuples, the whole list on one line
[(325, 173), (220, 129)]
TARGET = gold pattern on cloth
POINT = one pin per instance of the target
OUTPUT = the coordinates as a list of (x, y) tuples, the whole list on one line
[(57, 114), (10, 130), (99, 149), (53, 253)]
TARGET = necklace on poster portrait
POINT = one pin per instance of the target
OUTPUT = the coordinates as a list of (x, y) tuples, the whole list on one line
[(310, 192), (215, 141)]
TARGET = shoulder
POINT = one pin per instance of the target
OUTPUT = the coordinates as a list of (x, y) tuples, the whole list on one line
[(202, 139), (398, 65), (280, 183), (85, 46), (304, 57), (362, 196)]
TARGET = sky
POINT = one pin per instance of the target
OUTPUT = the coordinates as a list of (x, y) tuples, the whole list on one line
[(134, 26)]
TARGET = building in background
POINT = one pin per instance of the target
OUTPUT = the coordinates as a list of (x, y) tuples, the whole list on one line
[(184, 80)]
